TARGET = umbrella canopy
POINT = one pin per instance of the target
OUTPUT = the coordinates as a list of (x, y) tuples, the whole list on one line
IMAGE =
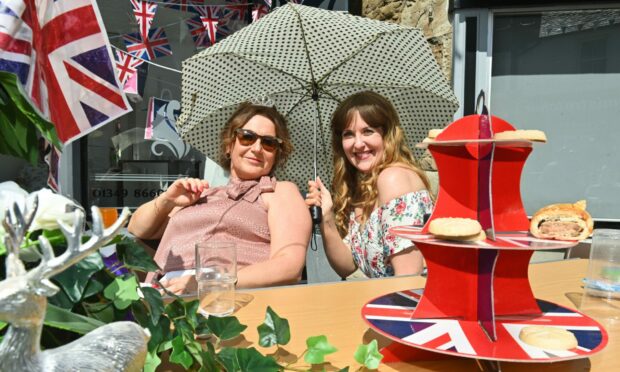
[(307, 60)]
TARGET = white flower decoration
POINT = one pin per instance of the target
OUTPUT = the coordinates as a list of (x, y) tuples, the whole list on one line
[(52, 206)]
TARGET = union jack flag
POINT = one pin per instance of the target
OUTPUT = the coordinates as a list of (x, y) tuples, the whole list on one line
[(144, 13), (126, 65), (60, 52), (391, 315), (155, 45), (235, 10), (259, 11), (210, 21), (198, 32)]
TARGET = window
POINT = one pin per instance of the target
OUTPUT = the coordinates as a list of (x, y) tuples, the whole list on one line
[(559, 71)]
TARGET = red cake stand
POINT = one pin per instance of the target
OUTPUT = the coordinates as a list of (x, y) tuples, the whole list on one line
[(477, 296)]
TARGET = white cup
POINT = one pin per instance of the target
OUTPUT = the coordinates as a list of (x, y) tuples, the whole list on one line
[(216, 275)]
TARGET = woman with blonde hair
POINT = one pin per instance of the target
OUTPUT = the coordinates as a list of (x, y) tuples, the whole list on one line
[(377, 184)]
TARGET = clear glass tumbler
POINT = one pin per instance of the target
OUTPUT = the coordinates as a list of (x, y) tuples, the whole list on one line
[(601, 297), (216, 275)]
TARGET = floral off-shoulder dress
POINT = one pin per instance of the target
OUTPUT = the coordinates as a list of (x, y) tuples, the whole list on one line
[(372, 244)]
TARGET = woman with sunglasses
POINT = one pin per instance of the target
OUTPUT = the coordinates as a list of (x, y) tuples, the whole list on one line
[(267, 219), (377, 184)]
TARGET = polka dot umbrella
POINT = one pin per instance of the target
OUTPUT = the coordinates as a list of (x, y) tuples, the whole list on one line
[(306, 60)]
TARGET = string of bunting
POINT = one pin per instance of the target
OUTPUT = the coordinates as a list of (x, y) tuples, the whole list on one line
[(209, 24)]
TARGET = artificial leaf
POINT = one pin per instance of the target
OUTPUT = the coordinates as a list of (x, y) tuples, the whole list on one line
[(182, 328), (202, 328), (92, 288), (160, 333), (74, 280), (318, 347), (154, 301), (133, 255), (140, 313), (166, 345), (21, 122), (152, 361), (368, 355), (175, 309), (195, 350), (274, 330), (102, 311), (123, 291), (179, 354), (63, 319), (225, 328), (228, 358), (247, 360), (61, 299), (208, 364), (191, 312)]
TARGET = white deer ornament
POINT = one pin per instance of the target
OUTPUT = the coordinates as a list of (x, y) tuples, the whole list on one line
[(119, 346)]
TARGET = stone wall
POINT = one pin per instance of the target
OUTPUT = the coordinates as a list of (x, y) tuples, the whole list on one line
[(431, 16)]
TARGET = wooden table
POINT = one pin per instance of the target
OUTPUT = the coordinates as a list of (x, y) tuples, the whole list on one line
[(334, 310)]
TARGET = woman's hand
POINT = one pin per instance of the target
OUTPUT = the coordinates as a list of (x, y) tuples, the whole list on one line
[(184, 192), (185, 284), (319, 195)]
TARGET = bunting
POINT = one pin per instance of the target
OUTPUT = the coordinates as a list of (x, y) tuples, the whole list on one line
[(145, 13)]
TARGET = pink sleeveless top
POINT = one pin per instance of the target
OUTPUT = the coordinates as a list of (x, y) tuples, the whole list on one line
[(234, 213)]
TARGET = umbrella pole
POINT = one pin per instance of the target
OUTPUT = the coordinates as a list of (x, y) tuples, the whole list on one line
[(315, 211)]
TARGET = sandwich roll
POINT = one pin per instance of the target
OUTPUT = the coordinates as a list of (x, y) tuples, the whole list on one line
[(562, 222)]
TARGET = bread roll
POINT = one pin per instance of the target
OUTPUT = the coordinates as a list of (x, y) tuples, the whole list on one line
[(452, 228), (546, 337), (526, 134), (433, 133), (562, 222)]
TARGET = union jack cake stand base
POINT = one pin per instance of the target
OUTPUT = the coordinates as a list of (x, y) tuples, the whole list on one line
[(392, 316)]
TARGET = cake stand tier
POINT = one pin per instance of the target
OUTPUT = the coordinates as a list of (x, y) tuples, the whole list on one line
[(517, 240), (392, 316)]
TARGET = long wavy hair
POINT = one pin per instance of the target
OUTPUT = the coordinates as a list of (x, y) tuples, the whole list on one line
[(352, 188), (240, 117)]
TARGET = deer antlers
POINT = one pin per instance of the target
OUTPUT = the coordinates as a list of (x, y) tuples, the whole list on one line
[(16, 226), (76, 251)]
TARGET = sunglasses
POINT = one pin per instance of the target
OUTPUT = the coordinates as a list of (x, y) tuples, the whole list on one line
[(247, 137)]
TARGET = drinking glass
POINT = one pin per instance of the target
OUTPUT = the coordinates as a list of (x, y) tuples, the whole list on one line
[(601, 295), (216, 275)]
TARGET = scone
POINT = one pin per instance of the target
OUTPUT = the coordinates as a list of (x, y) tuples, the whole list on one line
[(526, 134), (562, 222), (451, 228), (433, 133), (546, 337)]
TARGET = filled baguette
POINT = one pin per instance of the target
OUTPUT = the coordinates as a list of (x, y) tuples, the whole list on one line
[(562, 222)]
